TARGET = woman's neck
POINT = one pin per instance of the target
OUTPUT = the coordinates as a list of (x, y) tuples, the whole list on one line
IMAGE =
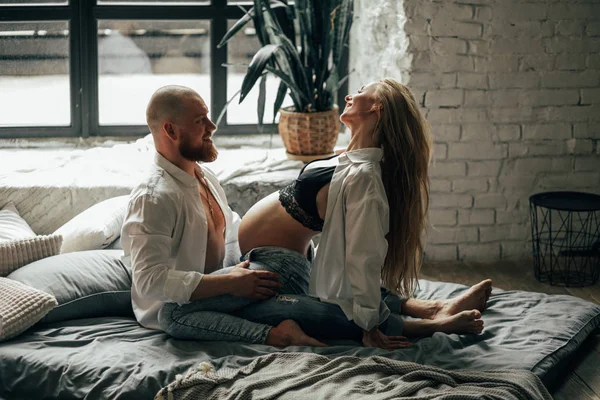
[(360, 139)]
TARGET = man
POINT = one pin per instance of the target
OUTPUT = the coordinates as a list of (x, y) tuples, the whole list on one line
[(176, 232)]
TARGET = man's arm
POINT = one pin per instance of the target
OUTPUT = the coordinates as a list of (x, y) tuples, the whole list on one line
[(148, 228), (241, 282), (147, 241)]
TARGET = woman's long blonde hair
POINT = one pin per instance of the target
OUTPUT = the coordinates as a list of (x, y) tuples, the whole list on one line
[(403, 133)]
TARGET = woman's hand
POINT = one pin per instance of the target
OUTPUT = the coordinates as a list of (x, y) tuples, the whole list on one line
[(376, 338)]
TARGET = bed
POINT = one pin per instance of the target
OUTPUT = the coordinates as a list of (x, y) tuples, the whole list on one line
[(113, 357)]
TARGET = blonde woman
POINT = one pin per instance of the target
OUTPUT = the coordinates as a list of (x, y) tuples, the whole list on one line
[(370, 204)]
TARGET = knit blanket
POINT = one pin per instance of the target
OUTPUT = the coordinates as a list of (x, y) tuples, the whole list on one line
[(313, 376)]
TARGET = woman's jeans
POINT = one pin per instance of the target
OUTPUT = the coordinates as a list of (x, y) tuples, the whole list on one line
[(233, 318)]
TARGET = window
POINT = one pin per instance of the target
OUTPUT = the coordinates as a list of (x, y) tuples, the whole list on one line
[(34, 74), (88, 67), (137, 57)]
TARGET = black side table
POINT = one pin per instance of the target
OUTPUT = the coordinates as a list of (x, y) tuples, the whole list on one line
[(565, 233)]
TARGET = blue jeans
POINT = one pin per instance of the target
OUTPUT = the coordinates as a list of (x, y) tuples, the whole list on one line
[(233, 318), (317, 318)]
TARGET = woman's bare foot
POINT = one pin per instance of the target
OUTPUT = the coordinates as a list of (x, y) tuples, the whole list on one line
[(473, 299), (463, 322), (289, 333)]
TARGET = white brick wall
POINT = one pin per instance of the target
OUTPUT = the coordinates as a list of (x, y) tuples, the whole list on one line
[(512, 92)]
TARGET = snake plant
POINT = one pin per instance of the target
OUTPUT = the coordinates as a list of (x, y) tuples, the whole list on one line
[(308, 65)]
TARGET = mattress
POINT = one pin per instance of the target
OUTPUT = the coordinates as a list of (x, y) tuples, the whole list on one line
[(118, 359)]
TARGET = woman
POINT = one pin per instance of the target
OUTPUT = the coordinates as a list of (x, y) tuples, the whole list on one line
[(370, 202)]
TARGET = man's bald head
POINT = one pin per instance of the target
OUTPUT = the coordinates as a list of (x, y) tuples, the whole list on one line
[(178, 119), (167, 104)]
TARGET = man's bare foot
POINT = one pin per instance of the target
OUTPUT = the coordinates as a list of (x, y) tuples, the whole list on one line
[(289, 333), (463, 322), (473, 299)]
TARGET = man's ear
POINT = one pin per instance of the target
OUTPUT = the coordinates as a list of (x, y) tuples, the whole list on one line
[(168, 127)]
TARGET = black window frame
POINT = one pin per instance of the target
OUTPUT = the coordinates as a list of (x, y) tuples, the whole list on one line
[(82, 17)]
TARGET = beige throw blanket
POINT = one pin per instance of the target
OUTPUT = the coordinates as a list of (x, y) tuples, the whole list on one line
[(312, 376)]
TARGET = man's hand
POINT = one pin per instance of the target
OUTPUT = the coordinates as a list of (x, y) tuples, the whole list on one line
[(252, 284), (376, 338)]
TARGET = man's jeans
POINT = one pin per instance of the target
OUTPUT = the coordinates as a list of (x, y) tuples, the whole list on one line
[(233, 318)]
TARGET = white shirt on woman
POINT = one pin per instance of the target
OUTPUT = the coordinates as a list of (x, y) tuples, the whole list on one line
[(164, 237), (352, 249)]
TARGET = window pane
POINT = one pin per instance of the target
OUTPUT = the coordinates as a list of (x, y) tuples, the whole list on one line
[(240, 50), (137, 57), (34, 74), (32, 2)]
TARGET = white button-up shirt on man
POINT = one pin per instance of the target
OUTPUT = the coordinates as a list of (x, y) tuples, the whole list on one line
[(164, 237)]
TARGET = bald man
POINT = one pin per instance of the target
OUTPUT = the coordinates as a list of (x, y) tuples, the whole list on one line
[(176, 232)]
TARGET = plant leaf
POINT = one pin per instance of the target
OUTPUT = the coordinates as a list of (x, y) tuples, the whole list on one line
[(295, 91), (287, 61), (303, 30), (282, 61), (262, 95), (227, 65), (332, 83), (256, 68), (222, 114), (295, 61), (281, 92), (341, 23), (259, 22), (240, 23)]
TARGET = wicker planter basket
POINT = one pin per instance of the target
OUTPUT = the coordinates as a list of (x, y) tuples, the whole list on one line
[(309, 134)]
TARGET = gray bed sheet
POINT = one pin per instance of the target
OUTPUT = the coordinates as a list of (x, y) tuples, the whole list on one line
[(115, 358)]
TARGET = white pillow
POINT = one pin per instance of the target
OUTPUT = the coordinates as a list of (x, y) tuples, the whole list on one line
[(95, 228), (21, 306), (12, 226), (17, 253), (116, 245)]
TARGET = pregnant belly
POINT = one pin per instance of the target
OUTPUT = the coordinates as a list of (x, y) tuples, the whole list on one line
[(268, 224)]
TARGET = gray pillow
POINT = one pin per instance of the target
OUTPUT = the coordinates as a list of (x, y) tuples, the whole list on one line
[(86, 284)]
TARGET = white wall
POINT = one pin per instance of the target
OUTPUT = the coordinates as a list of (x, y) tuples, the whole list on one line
[(512, 91)]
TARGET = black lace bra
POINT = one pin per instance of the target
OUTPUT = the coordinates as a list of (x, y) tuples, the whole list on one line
[(300, 197)]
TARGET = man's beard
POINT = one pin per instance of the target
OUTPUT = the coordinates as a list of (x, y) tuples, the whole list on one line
[(205, 153)]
